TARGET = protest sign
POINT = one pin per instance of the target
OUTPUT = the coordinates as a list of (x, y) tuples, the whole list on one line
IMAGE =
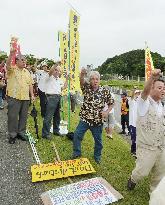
[(149, 67), (74, 51), (95, 191), (61, 169), (14, 46)]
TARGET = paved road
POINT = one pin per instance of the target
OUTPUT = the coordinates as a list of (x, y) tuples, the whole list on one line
[(117, 109), (16, 187), (118, 117)]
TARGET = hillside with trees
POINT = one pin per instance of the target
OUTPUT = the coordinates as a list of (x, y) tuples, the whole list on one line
[(130, 63)]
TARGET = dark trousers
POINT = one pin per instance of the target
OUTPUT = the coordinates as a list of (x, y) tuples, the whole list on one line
[(17, 116), (52, 112), (4, 93), (133, 138), (73, 102), (125, 120), (1, 97), (42, 97)]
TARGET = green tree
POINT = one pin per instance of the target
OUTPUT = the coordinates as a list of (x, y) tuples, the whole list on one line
[(131, 63)]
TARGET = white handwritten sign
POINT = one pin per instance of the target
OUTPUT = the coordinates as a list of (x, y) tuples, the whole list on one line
[(95, 191)]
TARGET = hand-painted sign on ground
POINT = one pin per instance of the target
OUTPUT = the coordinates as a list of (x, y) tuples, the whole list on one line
[(61, 169), (95, 191)]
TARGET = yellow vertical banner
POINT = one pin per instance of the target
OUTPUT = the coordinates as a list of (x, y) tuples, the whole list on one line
[(63, 38), (148, 64), (74, 51)]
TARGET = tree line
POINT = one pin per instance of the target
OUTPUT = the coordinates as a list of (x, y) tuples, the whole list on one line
[(31, 59), (131, 63)]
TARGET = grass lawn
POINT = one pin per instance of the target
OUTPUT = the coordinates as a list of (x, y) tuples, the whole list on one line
[(128, 85), (115, 167)]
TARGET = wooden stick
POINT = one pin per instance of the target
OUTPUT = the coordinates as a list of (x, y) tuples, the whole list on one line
[(58, 159)]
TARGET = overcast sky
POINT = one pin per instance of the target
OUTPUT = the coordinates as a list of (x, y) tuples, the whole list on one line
[(107, 27)]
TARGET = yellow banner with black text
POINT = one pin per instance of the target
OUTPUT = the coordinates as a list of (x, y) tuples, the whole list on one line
[(74, 51), (63, 38), (61, 169)]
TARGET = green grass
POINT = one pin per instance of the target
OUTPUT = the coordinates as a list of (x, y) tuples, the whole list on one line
[(124, 84), (116, 165)]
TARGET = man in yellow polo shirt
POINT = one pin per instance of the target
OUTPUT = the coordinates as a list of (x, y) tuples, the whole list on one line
[(19, 86)]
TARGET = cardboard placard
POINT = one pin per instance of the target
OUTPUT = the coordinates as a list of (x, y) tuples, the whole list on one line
[(95, 191), (61, 169)]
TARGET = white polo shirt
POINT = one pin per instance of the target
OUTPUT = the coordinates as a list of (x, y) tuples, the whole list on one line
[(41, 75), (53, 85)]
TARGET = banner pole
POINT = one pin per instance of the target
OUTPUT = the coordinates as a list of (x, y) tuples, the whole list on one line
[(62, 98), (62, 106), (145, 59), (69, 78)]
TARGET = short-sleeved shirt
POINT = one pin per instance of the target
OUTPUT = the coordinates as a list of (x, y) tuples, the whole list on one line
[(132, 112), (53, 85), (93, 104), (143, 106), (18, 83), (41, 79)]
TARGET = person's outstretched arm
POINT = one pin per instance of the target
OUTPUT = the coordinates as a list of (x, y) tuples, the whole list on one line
[(82, 77)]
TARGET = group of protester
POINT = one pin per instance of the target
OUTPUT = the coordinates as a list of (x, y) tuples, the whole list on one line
[(147, 115)]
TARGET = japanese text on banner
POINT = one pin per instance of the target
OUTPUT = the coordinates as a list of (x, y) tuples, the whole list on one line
[(63, 38), (74, 51), (61, 169)]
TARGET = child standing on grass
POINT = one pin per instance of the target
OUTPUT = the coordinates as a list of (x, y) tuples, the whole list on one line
[(109, 122)]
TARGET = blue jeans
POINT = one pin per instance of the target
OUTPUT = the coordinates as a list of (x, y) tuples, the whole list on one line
[(1, 101), (78, 137), (52, 112)]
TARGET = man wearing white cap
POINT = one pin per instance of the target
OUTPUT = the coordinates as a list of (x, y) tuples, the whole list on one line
[(42, 74), (133, 118)]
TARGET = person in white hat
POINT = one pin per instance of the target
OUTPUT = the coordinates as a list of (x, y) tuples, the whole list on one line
[(133, 118), (41, 76)]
